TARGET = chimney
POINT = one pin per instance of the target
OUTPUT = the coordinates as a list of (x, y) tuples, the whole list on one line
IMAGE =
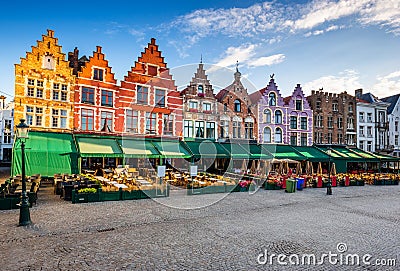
[(358, 93), (50, 33)]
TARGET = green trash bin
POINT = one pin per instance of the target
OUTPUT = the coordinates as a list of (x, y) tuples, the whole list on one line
[(290, 185)]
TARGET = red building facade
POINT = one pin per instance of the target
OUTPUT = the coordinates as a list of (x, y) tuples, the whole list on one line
[(149, 102)]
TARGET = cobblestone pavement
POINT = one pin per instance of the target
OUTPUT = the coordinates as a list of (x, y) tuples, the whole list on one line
[(227, 235)]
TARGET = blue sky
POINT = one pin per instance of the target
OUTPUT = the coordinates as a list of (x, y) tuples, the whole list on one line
[(335, 45)]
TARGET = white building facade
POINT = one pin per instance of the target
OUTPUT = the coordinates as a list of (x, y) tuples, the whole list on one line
[(7, 131), (393, 113)]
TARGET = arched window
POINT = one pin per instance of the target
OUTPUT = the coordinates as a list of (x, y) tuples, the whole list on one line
[(237, 106), (267, 135), (278, 135), (272, 99), (278, 117), (200, 89), (267, 116)]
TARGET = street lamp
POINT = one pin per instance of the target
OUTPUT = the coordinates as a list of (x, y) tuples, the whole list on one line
[(22, 135), (329, 183)]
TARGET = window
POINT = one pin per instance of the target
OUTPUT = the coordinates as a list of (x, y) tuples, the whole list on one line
[(98, 74), (369, 131), (396, 126), (106, 98), (330, 122), (361, 117), (7, 125), (350, 139), (278, 135), (350, 107), (303, 139), (330, 138), (361, 144), (193, 106), (7, 154), (168, 124), (160, 97), (272, 99), (318, 104), (87, 119), (152, 70), (151, 119), (7, 138), (200, 89), (340, 138), (106, 121), (56, 94), (350, 124), (396, 140), (132, 118), (39, 93), (340, 122), (362, 131), (225, 107), (142, 94), (319, 121), (210, 130), (236, 129), (224, 126), (299, 104), (293, 139), (237, 106), (38, 115), (267, 116), (303, 123), (267, 135), (64, 93), (369, 146), (31, 92), (293, 122), (63, 118), (31, 82), (55, 117), (369, 117), (248, 130), (88, 95), (39, 83), (188, 128), (199, 128), (29, 115), (206, 107), (278, 117), (335, 106)]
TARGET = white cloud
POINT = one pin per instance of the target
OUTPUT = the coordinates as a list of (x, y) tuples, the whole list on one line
[(387, 85), (385, 13), (266, 60), (347, 80)]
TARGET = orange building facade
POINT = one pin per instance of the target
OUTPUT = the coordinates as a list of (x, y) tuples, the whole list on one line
[(44, 87)]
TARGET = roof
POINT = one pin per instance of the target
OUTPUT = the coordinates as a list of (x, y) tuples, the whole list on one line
[(256, 96), (392, 100), (221, 94)]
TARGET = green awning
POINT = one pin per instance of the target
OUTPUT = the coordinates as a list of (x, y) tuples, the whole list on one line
[(138, 148), (237, 151), (207, 149), (283, 152), (313, 154), (98, 147), (386, 158), (46, 154), (334, 154), (368, 157), (346, 153), (171, 149), (257, 152)]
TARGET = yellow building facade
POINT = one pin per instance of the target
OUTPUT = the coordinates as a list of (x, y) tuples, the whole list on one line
[(44, 87)]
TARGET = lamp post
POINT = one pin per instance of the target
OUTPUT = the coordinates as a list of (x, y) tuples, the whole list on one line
[(329, 183), (24, 215)]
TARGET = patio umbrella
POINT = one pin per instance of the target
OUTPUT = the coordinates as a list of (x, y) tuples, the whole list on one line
[(280, 169), (333, 169), (244, 165), (258, 168), (287, 167), (253, 166), (312, 169), (319, 170)]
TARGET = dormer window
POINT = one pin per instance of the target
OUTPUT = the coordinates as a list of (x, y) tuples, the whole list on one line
[(98, 74), (200, 90), (299, 104)]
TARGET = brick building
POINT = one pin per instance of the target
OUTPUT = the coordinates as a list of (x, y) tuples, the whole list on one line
[(96, 93), (149, 101), (335, 118), (44, 87), (237, 120), (200, 107)]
